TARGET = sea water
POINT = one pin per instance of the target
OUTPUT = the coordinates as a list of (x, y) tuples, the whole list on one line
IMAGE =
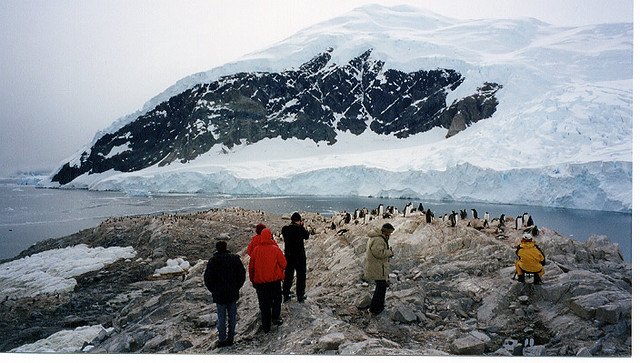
[(29, 214)]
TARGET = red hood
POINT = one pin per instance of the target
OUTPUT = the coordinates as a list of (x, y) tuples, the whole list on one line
[(266, 237)]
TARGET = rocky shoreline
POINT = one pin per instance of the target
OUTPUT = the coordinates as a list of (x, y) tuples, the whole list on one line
[(452, 291)]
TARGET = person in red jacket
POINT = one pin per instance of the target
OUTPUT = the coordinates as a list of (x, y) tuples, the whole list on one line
[(256, 238), (266, 272)]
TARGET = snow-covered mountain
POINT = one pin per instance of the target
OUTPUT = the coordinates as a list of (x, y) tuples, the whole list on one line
[(396, 102)]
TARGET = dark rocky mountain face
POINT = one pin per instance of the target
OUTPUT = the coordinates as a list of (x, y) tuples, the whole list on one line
[(312, 102)]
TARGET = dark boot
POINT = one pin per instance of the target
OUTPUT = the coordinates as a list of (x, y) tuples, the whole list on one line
[(536, 279)]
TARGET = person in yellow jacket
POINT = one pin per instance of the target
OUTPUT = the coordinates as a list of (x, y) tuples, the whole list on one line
[(377, 264), (529, 259)]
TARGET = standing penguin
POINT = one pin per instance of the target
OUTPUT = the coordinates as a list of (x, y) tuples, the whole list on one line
[(407, 209), (453, 218), (486, 216), (429, 215), (529, 222), (474, 213), (420, 207), (518, 222)]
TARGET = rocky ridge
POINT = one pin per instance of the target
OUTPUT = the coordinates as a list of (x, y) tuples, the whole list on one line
[(315, 101), (451, 292)]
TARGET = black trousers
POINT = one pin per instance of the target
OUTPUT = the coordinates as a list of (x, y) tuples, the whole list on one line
[(270, 302), (377, 302), (299, 266)]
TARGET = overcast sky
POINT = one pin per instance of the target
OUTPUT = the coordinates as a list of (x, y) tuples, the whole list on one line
[(71, 68)]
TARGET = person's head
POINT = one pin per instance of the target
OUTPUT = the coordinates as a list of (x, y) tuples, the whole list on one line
[(527, 237), (266, 236), (387, 229), (260, 227), (296, 217), (221, 246)]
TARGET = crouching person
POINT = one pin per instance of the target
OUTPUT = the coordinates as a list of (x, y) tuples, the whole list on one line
[(266, 272), (530, 259), (224, 276)]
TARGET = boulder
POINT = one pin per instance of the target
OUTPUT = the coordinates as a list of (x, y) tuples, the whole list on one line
[(535, 351), (206, 320), (602, 305), (182, 345), (468, 345), (331, 341), (363, 302), (404, 314), (602, 248), (584, 352), (502, 352), (480, 336)]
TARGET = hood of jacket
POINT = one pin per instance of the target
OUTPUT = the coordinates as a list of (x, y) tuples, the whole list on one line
[(266, 238), (375, 232), (527, 244)]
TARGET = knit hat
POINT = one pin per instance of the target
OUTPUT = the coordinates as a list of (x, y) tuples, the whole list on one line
[(221, 246), (387, 227), (260, 227), (296, 217)]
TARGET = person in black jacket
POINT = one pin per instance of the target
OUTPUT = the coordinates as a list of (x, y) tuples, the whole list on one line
[(294, 235), (224, 276)]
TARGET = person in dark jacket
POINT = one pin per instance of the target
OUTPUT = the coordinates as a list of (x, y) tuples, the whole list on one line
[(294, 235), (224, 276), (266, 271)]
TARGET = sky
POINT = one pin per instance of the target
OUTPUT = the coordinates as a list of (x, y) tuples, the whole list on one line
[(69, 68)]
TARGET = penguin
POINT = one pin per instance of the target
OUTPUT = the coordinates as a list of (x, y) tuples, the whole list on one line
[(501, 223), (453, 218), (429, 214), (407, 209), (356, 214), (529, 222), (474, 213), (347, 218), (486, 216), (533, 230), (420, 207), (463, 214), (380, 209), (525, 219), (518, 222)]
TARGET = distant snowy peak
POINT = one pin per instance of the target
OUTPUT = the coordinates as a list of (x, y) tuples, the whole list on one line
[(315, 101)]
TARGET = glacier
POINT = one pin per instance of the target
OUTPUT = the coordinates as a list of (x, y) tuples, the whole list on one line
[(561, 135)]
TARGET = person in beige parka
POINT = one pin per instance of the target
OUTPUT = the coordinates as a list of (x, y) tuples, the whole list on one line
[(377, 264)]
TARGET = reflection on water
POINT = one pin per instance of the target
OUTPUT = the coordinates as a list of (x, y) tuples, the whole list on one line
[(29, 215)]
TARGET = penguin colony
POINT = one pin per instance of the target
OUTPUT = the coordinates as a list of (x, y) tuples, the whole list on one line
[(522, 222)]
